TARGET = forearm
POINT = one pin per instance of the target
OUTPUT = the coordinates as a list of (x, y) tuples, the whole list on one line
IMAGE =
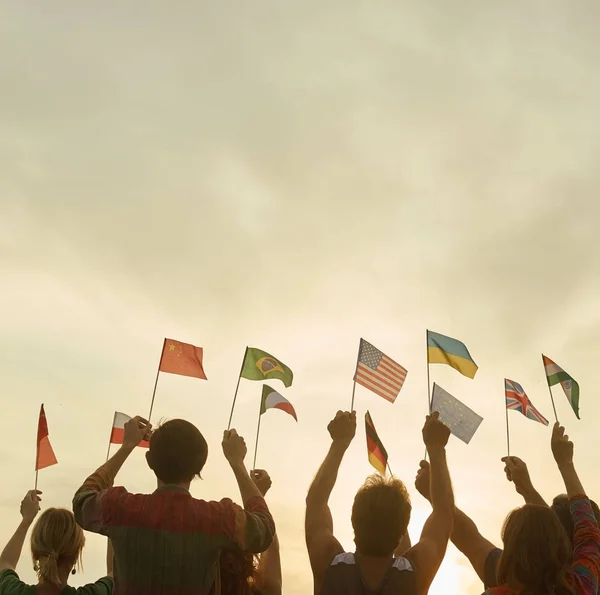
[(110, 555), (442, 496), (269, 569), (571, 479), (112, 467), (532, 496), (326, 476), (247, 487), (12, 551)]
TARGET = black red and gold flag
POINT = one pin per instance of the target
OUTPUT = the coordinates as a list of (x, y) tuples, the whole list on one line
[(378, 456)]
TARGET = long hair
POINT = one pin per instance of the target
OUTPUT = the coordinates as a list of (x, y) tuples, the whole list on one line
[(56, 540), (537, 553), (380, 515), (239, 575)]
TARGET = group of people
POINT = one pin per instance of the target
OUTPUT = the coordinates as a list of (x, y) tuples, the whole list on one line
[(169, 543)]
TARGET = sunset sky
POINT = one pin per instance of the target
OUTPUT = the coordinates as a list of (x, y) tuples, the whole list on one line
[(293, 177)]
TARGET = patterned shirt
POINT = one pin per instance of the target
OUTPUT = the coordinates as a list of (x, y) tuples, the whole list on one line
[(168, 542), (585, 569)]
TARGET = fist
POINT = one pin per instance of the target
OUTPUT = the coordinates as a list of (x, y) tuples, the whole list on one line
[(30, 505), (234, 447), (261, 480), (136, 430), (435, 433), (562, 447), (422, 481), (343, 427), (517, 472)]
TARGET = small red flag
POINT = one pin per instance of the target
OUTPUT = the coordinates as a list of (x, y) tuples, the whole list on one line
[(182, 358), (118, 430), (45, 456)]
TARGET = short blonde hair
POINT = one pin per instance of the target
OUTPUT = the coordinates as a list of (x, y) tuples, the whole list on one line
[(56, 539)]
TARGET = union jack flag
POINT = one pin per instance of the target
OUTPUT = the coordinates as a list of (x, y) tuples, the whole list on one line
[(517, 399)]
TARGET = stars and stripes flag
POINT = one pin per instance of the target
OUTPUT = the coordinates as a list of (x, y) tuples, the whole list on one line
[(517, 399), (379, 373)]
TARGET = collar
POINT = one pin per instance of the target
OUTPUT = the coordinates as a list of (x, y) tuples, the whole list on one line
[(171, 487)]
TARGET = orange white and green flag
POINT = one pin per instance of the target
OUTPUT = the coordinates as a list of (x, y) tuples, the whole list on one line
[(556, 375), (271, 399), (378, 456)]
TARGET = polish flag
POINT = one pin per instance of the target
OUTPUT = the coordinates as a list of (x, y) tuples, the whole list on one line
[(118, 430)]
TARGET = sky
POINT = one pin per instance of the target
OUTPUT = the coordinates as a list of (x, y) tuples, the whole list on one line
[(293, 177)]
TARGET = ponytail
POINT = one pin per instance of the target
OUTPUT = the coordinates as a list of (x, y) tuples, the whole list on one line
[(47, 569)]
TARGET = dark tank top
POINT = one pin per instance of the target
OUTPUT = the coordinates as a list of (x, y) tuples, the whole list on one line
[(343, 578)]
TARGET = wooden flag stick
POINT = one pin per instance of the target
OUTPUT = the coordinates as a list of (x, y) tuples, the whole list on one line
[(236, 389), (355, 371), (428, 381), (36, 479), (257, 433), (156, 381), (389, 469), (353, 391), (552, 399), (507, 432)]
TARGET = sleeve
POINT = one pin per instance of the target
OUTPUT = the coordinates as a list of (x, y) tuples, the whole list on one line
[(104, 586), (490, 569), (252, 528), (10, 583), (96, 500), (586, 546)]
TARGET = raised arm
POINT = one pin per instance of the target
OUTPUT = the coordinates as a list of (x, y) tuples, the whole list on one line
[(269, 566), (110, 558), (465, 535), (254, 525), (428, 553), (517, 472), (320, 541), (30, 506), (87, 502), (562, 449)]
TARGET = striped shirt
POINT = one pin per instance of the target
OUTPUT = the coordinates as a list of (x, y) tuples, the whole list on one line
[(168, 542), (585, 569)]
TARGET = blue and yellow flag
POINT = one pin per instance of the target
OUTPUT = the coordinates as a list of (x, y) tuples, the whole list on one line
[(445, 350)]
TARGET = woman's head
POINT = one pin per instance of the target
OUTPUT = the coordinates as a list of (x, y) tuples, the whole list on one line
[(56, 541), (239, 574), (537, 552)]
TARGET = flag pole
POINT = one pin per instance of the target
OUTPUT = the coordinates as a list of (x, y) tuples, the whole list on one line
[(257, 432), (550, 390), (507, 432), (389, 469), (355, 370), (236, 389), (36, 479), (156, 381), (428, 381), (108, 450)]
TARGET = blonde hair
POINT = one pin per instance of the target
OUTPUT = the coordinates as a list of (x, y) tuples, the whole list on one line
[(56, 540)]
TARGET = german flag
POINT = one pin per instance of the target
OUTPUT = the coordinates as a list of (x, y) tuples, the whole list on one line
[(377, 454)]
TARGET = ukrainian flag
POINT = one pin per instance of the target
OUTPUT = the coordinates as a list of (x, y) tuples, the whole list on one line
[(445, 350)]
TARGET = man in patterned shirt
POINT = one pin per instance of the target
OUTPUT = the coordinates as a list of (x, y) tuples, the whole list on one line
[(168, 542)]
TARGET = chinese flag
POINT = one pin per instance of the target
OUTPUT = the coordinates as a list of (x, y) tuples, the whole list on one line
[(182, 358), (45, 455)]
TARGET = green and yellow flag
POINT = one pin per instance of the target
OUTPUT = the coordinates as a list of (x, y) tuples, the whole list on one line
[(259, 365)]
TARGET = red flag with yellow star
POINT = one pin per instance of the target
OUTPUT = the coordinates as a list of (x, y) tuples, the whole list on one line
[(182, 358)]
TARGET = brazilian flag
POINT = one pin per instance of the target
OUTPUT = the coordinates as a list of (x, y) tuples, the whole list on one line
[(259, 365)]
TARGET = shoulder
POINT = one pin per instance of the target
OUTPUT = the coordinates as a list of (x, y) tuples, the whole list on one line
[(103, 586), (11, 584)]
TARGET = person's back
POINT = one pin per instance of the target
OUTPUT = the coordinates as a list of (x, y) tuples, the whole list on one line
[(168, 541)]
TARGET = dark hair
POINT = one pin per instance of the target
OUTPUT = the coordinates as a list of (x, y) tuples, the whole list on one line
[(537, 553), (178, 451), (380, 515), (239, 572), (560, 505)]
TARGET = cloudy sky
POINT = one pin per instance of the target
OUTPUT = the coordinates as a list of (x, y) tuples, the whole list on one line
[(294, 176)]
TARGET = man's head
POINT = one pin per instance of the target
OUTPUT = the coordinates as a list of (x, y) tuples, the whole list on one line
[(560, 505), (178, 452), (380, 516)]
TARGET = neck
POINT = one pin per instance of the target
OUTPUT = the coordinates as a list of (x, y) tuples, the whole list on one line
[(64, 570), (181, 484), (375, 559)]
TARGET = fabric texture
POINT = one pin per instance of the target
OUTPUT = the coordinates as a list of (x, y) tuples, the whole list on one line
[(11, 584)]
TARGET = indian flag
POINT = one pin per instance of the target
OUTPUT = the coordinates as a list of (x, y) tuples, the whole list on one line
[(556, 375), (271, 399)]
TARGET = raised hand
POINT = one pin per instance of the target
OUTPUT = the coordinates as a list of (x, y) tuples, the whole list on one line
[(136, 430), (261, 480), (435, 432), (423, 480), (517, 472), (342, 427), (234, 447), (30, 505), (562, 447)]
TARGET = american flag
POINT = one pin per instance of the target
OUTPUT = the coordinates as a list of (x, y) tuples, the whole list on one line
[(379, 373), (517, 399)]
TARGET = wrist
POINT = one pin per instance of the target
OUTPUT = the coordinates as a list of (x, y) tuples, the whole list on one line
[(26, 522), (436, 450), (340, 445), (566, 466), (238, 466)]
